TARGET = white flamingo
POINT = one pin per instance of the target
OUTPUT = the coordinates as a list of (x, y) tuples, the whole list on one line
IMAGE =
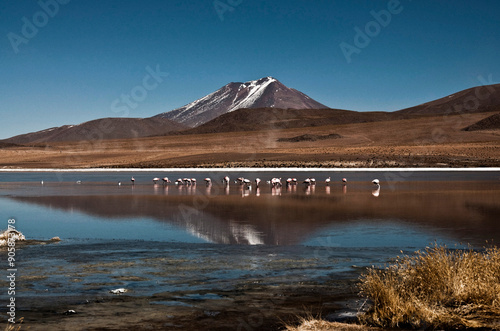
[(376, 190), (226, 180), (155, 180), (247, 182), (327, 181), (257, 182), (276, 182)]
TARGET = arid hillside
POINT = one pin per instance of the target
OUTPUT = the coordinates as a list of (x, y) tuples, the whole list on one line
[(474, 100), (101, 129)]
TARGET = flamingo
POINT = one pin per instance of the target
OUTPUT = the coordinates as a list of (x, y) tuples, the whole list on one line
[(307, 181), (247, 182), (166, 180), (132, 180), (294, 181), (276, 182), (226, 180), (257, 182), (376, 190), (327, 181), (193, 181), (313, 181), (288, 181), (344, 180), (179, 182), (208, 181), (155, 180)]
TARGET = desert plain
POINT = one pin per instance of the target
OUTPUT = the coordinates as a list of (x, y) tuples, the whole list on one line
[(426, 141)]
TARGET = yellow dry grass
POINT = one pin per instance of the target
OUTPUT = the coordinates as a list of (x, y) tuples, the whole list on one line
[(319, 325), (14, 327), (437, 288)]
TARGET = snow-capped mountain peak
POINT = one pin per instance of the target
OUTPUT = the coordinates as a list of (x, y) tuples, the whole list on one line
[(264, 92)]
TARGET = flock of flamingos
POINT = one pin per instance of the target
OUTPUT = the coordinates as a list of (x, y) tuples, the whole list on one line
[(275, 183)]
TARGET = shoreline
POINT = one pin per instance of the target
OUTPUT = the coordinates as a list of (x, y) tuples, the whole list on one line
[(250, 169)]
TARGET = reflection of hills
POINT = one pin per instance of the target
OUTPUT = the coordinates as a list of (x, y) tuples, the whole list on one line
[(468, 212)]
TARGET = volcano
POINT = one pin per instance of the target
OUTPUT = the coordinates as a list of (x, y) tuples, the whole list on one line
[(266, 92)]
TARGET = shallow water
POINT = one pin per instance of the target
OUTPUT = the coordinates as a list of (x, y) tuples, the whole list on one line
[(155, 238)]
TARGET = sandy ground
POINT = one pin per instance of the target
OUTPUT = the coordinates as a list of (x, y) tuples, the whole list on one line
[(425, 142)]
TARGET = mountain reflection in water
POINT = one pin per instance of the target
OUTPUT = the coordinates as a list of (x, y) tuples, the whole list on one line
[(462, 210)]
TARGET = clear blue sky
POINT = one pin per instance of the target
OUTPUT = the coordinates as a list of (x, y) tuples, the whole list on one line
[(79, 62)]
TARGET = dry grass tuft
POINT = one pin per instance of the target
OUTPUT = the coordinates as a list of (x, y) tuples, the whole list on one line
[(317, 325), (311, 323), (437, 288), (14, 327)]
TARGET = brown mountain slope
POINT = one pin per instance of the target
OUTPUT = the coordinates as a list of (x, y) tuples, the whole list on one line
[(489, 123), (101, 129), (474, 100), (272, 118), (5, 145)]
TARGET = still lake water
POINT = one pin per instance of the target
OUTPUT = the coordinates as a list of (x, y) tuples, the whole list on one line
[(153, 238)]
